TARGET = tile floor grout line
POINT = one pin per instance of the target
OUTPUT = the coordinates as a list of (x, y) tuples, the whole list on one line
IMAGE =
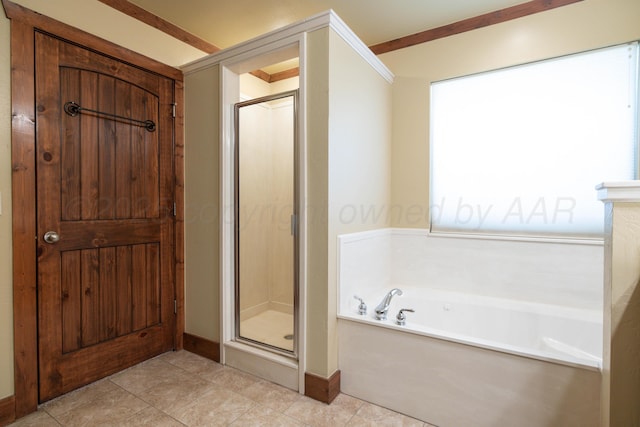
[(209, 381), (150, 405), (79, 390)]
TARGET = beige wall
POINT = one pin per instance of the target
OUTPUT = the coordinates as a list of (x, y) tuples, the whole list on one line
[(317, 112), (254, 87), (349, 147), (580, 26), (6, 285), (106, 22), (621, 355), (202, 204)]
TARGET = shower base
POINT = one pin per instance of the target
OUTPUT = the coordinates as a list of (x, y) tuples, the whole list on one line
[(270, 327)]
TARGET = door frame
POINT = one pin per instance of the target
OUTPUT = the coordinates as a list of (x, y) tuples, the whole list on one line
[(295, 227), (24, 24)]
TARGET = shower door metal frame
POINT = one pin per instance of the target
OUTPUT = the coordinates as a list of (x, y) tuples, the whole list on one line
[(294, 225)]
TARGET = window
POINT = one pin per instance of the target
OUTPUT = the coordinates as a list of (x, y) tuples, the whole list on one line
[(520, 150)]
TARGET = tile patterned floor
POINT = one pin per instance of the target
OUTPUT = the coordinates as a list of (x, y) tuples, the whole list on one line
[(183, 389)]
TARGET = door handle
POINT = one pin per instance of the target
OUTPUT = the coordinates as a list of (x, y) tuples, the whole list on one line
[(51, 237)]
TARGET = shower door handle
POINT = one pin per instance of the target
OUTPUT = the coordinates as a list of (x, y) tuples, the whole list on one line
[(294, 224)]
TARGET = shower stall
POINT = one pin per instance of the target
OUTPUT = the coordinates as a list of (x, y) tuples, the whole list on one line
[(265, 208)]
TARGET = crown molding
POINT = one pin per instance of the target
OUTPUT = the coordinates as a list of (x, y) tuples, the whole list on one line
[(342, 29), (289, 34), (620, 191), (163, 25), (470, 24)]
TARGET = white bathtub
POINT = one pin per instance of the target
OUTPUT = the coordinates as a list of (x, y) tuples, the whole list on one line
[(469, 360), (554, 333), (505, 333)]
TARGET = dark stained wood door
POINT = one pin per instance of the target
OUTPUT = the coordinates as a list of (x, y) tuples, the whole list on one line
[(105, 186)]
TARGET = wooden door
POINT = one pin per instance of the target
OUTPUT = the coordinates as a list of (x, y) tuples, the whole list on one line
[(105, 186)]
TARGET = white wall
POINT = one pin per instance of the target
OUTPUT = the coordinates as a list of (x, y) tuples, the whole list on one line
[(255, 221), (281, 258), (561, 274)]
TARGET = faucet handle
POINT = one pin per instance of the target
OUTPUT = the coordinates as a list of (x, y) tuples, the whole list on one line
[(362, 308), (401, 318)]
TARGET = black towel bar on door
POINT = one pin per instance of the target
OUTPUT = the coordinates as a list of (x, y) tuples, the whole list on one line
[(73, 109)]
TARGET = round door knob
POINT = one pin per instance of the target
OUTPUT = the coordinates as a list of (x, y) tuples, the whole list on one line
[(51, 237)]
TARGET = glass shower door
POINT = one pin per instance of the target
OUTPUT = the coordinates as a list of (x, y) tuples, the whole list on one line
[(265, 222)]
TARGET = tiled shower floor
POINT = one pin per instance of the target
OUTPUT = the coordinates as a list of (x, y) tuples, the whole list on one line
[(183, 389)]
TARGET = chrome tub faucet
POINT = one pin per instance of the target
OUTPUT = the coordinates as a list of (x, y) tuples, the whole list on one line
[(362, 308), (383, 307), (401, 318)]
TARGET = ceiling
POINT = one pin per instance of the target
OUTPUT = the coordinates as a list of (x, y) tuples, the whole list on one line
[(225, 23)]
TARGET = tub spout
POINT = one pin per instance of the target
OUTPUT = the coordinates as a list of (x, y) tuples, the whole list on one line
[(383, 307)]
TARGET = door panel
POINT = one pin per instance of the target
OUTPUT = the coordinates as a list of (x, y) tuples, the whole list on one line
[(110, 309), (108, 181), (105, 185)]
